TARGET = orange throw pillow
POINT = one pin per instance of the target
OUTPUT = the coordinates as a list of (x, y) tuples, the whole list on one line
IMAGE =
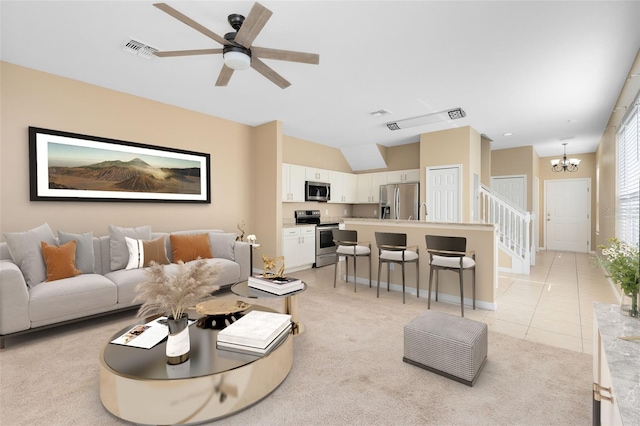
[(190, 247), (60, 260)]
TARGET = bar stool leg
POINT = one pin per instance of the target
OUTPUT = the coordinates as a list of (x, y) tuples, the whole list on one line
[(461, 293), (335, 273), (431, 270), (355, 273), (402, 282)]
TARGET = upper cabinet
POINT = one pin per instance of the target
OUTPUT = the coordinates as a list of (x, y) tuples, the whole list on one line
[(316, 175), (343, 187), (369, 187), (400, 176), (346, 188), (293, 178)]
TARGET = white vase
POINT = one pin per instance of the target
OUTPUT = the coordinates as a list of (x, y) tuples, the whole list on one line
[(178, 344)]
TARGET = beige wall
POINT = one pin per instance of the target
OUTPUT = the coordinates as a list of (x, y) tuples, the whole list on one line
[(451, 147), (401, 157), (586, 170), (605, 194), (485, 160), (514, 161), (266, 190), (311, 154), (33, 98)]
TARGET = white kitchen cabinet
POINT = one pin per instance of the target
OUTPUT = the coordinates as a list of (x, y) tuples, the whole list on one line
[(293, 177), (343, 187), (316, 175), (349, 187), (369, 187), (400, 176), (299, 247)]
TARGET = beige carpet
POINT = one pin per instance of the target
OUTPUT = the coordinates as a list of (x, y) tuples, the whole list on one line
[(348, 370)]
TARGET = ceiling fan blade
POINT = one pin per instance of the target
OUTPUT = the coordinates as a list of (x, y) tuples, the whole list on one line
[(190, 22), (268, 72), (170, 53), (257, 18), (225, 76), (286, 55)]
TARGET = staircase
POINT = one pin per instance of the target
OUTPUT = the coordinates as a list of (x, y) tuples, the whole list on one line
[(513, 227)]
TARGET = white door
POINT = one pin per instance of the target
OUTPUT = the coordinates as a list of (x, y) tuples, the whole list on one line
[(568, 214), (513, 188), (443, 194)]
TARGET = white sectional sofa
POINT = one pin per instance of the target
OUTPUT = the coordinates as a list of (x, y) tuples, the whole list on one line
[(29, 303)]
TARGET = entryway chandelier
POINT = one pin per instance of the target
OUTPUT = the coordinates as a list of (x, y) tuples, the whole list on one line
[(564, 164)]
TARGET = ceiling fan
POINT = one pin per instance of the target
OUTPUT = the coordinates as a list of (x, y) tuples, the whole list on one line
[(237, 50)]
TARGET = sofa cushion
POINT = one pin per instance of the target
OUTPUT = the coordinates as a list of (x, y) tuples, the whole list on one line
[(85, 259), (69, 296), (143, 252), (60, 260), (190, 247), (126, 281), (118, 246), (222, 244), (26, 252), (228, 270)]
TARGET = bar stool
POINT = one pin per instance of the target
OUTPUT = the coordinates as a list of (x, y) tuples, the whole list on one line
[(450, 254), (392, 248), (348, 245)]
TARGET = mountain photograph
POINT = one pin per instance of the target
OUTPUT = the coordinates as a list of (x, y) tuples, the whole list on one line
[(135, 175)]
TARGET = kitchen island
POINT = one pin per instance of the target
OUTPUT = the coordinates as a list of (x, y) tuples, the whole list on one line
[(481, 239)]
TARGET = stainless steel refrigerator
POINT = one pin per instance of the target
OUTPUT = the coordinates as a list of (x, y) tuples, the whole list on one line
[(400, 201)]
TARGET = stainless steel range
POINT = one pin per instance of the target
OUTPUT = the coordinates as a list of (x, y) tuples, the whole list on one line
[(325, 248)]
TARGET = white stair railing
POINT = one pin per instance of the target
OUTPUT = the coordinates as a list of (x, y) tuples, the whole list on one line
[(513, 224)]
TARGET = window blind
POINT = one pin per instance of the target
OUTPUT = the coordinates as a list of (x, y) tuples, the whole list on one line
[(628, 177)]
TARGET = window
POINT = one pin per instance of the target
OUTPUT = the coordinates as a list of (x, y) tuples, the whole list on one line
[(628, 177)]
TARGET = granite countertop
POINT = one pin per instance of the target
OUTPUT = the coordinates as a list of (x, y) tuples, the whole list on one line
[(623, 358)]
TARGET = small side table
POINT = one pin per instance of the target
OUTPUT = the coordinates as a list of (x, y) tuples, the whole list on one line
[(253, 246), (291, 301)]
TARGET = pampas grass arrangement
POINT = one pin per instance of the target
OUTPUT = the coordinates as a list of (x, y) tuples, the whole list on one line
[(172, 295)]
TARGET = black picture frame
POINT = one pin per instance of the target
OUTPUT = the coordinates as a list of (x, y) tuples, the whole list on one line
[(66, 166)]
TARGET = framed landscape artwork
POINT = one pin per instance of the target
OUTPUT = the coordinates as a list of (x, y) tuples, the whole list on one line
[(72, 167)]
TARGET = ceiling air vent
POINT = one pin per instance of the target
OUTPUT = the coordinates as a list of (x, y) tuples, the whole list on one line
[(138, 48), (450, 114)]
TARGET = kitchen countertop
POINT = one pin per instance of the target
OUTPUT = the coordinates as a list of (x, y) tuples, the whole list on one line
[(623, 358), (419, 222)]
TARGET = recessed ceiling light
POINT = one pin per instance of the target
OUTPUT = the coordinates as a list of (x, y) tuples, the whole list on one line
[(380, 112), (507, 134)]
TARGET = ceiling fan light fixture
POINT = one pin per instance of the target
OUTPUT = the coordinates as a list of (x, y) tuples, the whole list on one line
[(237, 60)]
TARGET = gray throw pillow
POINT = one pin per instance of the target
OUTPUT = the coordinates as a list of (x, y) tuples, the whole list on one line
[(118, 245), (85, 260), (26, 252), (222, 244)]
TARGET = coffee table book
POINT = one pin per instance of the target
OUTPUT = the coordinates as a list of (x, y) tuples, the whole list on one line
[(244, 349), (279, 286), (257, 329)]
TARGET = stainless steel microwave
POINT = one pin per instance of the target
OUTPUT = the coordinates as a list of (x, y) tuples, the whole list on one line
[(317, 191)]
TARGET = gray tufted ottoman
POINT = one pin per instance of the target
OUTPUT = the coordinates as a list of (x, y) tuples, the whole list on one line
[(452, 346)]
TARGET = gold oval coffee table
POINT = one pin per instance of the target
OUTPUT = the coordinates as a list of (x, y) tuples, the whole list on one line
[(138, 385)]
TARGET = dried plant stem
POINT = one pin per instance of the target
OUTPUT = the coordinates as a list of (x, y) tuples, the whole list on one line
[(171, 295)]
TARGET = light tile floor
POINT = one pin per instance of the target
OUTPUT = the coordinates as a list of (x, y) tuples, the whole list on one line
[(553, 305)]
